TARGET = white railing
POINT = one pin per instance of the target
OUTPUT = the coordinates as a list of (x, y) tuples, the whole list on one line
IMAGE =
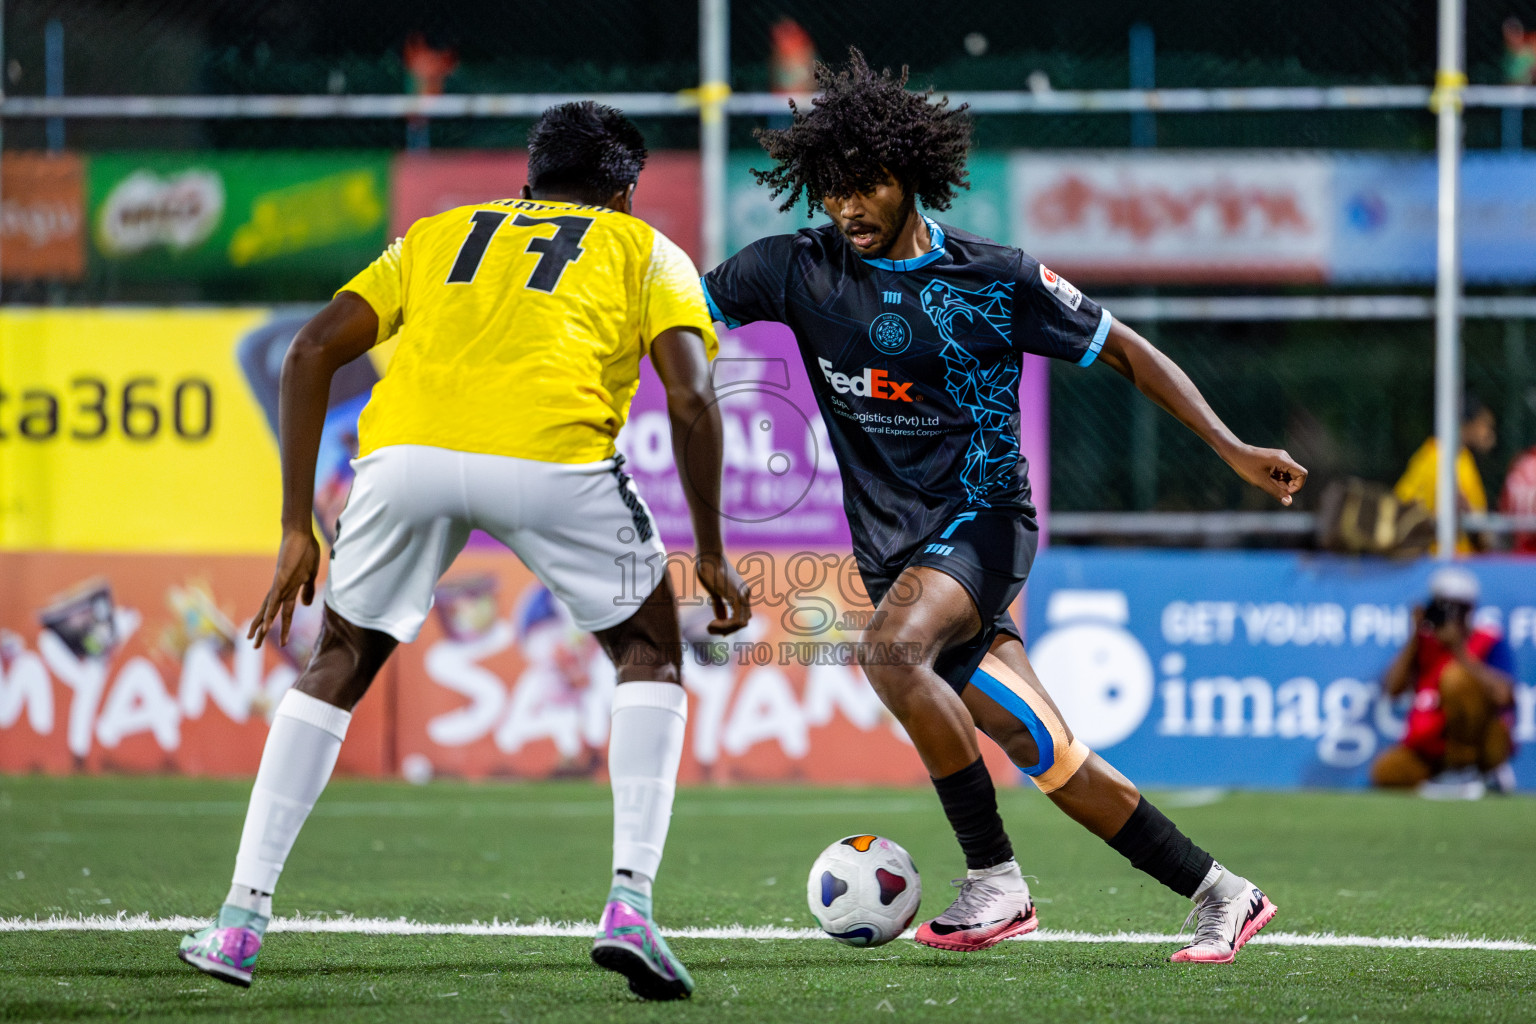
[(687, 103), (1233, 527), (1138, 308)]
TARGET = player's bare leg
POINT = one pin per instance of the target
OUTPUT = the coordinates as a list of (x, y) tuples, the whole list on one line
[(1011, 705), (296, 763), (925, 612), (645, 745)]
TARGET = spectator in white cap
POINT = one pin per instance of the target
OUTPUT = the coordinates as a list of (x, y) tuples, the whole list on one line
[(1458, 741)]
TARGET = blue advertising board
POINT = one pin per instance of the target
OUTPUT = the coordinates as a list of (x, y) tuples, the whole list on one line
[(1253, 669), (1385, 218)]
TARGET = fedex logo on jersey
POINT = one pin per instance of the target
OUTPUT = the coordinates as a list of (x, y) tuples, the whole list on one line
[(870, 383)]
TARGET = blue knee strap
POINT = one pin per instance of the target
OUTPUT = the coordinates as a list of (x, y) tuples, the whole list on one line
[(1016, 706)]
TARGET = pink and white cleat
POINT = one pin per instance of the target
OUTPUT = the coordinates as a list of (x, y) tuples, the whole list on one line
[(1225, 926), (981, 916)]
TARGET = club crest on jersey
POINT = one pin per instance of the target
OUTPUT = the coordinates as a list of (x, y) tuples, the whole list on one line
[(870, 383), (890, 333), (1061, 288)]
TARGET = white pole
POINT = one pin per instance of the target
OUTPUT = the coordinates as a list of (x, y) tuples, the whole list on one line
[(714, 90), (1450, 80)]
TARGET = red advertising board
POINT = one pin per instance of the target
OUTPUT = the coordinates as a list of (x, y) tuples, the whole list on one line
[(139, 663), (424, 184), (1176, 217), (42, 217)]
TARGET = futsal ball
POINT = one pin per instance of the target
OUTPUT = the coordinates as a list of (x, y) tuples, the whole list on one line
[(864, 890)]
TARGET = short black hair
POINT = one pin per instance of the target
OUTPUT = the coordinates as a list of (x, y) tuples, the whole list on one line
[(863, 127), (1472, 407), (584, 149)]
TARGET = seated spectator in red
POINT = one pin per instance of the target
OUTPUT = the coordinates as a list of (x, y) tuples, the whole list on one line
[(1458, 738), (1519, 496)]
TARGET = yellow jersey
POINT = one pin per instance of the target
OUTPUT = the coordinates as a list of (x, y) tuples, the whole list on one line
[(521, 324), (1418, 484)]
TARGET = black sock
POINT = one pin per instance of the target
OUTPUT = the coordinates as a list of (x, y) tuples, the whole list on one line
[(970, 803), (1155, 845)]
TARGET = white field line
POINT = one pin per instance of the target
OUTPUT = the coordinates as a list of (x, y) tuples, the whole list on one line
[(512, 807), (544, 929), (501, 809)]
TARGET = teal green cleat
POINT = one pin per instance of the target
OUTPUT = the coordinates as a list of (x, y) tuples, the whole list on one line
[(630, 943), (227, 948)]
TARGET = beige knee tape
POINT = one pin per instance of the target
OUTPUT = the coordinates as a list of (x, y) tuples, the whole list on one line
[(1067, 763), (1069, 754)]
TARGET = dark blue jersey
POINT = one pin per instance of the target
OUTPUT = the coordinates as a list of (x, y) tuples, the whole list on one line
[(915, 365)]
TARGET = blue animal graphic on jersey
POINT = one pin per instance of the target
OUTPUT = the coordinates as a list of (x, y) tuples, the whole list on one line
[(989, 394)]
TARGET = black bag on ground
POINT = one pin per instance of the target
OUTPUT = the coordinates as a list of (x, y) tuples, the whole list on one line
[(1360, 517)]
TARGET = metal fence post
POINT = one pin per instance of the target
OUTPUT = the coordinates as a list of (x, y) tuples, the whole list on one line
[(714, 140), (1450, 80), (53, 72)]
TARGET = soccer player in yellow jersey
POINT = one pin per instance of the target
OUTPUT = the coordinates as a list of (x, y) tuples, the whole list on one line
[(521, 326)]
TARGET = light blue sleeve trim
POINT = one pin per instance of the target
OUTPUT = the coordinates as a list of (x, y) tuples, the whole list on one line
[(714, 310), (1105, 322)]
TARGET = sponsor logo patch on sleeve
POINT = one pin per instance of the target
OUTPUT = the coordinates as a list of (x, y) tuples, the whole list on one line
[(1061, 288)]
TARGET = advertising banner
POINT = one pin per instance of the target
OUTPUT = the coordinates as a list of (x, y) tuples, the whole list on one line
[(132, 430), (42, 216), (427, 183), (1386, 214), (1176, 217), (1248, 669), (502, 683), (140, 663), (213, 215)]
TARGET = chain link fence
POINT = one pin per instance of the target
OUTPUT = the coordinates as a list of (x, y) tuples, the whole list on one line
[(1347, 397)]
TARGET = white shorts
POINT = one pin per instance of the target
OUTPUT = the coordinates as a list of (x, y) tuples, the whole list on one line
[(581, 528)]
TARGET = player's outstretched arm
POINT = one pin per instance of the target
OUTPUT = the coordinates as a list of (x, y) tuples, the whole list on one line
[(1160, 379), (339, 333), (698, 446)]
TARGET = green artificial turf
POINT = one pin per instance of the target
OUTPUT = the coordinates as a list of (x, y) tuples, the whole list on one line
[(1362, 864)]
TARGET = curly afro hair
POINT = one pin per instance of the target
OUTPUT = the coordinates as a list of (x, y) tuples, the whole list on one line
[(863, 127), (585, 149)]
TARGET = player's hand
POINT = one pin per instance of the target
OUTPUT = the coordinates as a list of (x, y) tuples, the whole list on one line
[(1270, 470), (297, 562), (726, 591)]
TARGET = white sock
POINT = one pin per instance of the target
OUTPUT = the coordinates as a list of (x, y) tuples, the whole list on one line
[(246, 898), (639, 882), (296, 764), (1221, 883), (644, 748), (1006, 876)]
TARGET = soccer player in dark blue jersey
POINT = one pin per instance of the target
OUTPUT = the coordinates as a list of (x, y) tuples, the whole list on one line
[(912, 334)]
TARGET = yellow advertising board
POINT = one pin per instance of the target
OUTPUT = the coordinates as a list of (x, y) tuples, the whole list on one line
[(140, 430)]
